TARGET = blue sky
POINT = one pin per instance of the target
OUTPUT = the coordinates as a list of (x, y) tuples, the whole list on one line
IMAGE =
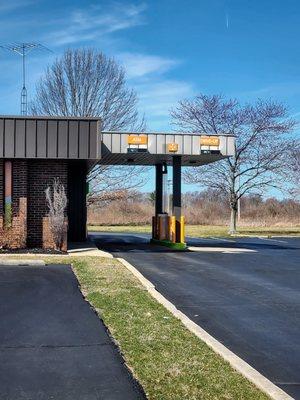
[(171, 49)]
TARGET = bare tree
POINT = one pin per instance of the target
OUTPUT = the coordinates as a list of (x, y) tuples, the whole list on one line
[(57, 203), (262, 142), (86, 83), (104, 198), (109, 182)]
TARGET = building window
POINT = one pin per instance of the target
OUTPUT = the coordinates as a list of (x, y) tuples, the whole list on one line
[(8, 193)]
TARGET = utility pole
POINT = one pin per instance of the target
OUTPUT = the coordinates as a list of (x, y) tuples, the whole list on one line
[(24, 90), (23, 49)]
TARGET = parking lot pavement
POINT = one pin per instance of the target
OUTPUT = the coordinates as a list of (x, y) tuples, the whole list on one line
[(52, 344), (249, 301)]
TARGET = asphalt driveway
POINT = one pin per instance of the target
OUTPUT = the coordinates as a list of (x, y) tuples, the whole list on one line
[(52, 344), (245, 292)]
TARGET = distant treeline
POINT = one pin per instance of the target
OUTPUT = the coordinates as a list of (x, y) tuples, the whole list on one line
[(203, 208)]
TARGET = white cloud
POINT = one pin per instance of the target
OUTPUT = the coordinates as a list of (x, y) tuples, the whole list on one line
[(93, 25), (157, 98), (157, 93), (138, 65), (83, 25)]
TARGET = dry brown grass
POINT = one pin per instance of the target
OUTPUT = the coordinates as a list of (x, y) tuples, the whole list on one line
[(206, 230), (121, 213), (199, 211)]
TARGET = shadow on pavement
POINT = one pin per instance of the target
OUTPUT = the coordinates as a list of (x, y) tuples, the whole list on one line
[(122, 242)]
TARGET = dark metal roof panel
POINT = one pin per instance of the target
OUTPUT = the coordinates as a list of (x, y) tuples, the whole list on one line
[(49, 137)]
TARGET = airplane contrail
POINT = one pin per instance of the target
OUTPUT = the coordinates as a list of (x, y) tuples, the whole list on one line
[(227, 20)]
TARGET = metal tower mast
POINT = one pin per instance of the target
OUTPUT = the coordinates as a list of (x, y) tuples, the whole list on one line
[(23, 49)]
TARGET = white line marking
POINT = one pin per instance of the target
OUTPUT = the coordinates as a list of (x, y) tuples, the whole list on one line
[(222, 239), (272, 240), (221, 249)]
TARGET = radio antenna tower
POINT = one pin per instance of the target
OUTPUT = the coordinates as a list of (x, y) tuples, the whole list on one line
[(23, 49)]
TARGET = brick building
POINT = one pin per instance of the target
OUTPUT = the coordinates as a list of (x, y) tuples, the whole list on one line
[(34, 151)]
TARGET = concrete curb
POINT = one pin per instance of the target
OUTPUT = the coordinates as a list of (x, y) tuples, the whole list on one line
[(87, 249), (241, 366), (22, 263)]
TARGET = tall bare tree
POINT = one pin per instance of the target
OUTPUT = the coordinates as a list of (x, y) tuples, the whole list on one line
[(87, 83), (262, 132)]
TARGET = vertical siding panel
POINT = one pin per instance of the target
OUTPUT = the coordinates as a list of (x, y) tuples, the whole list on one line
[(93, 153), (152, 144), (31, 138), (83, 139), (105, 138), (179, 140), (73, 139), (116, 143), (161, 144), (62, 139), (187, 144), (124, 143), (20, 138), (52, 139), (195, 144), (41, 139), (9, 144)]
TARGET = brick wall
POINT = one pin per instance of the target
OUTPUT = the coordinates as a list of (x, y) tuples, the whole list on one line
[(30, 224), (14, 236), (40, 175), (1, 201), (1, 187)]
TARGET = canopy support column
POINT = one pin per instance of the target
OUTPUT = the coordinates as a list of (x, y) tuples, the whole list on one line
[(160, 170), (158, 189), (168, 230)]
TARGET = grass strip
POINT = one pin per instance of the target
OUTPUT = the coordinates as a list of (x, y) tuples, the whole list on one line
[(169, 361)]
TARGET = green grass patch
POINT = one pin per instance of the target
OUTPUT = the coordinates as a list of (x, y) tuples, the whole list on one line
[(169, 361), (207, 230), (168, 243)]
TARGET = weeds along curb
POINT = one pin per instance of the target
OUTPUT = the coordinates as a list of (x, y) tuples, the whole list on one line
[(260, 381)]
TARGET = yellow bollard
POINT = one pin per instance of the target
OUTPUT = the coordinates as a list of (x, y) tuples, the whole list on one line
[(182, 229), (172, 229)]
